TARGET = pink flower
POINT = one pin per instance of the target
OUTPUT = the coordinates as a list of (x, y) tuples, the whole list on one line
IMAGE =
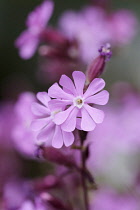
[(117, 142), (29, 39), (122, 25), (79, 113), (49, 132), (93, 27), (108, 199), (23, 137), (89, 28)]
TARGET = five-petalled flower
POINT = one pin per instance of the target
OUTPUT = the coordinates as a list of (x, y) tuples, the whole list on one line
[(79, 112)]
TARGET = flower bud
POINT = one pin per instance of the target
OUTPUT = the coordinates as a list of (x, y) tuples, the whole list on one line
[(53, 36), (56, 156), (96, 68)]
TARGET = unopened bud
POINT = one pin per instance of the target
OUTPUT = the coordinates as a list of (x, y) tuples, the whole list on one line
[(53, 36), (56, 156), (96, 68)]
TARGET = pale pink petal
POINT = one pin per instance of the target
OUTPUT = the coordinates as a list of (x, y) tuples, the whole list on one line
[(70, 123), (41, 15), (58, 104), (43, 98), (96, 114), (67, 84), (27, 44), (62, 116), (56, 92), (46, 134), (40, 110), (57, 140), (79, 81), (87, 123), (100, 98), (38, 124), (68, 138), (78, 123), (95, 86)]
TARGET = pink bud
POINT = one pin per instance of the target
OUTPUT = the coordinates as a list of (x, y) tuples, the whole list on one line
[(96, 68), (56, 156)]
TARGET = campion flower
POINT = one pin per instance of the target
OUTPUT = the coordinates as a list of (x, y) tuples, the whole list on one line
[(49, 132), (29, 39), (123, 142), (89, 28), (23, 137), (79, 112), (93, 26)]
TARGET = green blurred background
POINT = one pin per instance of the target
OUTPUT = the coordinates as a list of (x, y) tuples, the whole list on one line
[(18, 75)]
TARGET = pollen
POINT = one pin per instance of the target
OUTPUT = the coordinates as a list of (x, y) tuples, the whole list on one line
[(79, 102)]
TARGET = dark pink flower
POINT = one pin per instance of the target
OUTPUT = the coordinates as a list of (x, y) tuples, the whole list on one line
[(29, 39), (79, 113), (49, 132)]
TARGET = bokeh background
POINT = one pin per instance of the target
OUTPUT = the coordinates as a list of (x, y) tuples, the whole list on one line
[(17, 75)]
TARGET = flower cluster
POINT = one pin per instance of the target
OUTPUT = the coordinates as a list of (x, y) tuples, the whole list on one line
[(64, 109), (62, 133)]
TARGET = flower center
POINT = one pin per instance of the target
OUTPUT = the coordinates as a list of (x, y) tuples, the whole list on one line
[(79, 102)]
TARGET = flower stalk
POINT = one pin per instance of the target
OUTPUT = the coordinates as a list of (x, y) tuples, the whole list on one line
[(83, 178)]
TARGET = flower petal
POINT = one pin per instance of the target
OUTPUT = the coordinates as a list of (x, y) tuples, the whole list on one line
[(56, 92), (96, 114), (67, 83), (46, 134), (40, 110), (27, 44), (58, 104), (38, 124), (40, 16), (62, 116), (87, 123), (57, 140), (100, 98), (43, 98), (78, 123), (79, 81), (95, 86), (70, 123), (68, 138)]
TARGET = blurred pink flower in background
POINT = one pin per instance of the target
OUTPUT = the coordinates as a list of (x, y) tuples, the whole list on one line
[(106, 199), (116, 144), (9, 163), (23, 137), (19, 194), (29, 39), (123, 26), (93, 27), (88, 27)]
